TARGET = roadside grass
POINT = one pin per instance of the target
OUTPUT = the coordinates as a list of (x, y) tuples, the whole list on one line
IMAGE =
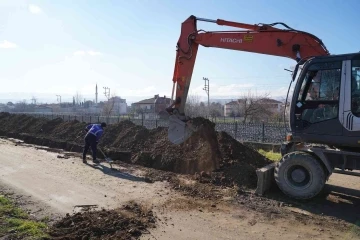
[(15, 222), (273, 156)]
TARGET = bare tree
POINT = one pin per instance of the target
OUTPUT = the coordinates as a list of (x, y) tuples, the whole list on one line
[(253, 107), (109, 105), (216, 110), (194, 107), (21, 106)]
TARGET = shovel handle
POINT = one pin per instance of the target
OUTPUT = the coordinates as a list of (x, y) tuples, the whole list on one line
[(102, 152)]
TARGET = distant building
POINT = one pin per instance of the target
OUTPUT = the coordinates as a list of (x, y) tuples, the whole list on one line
[(234, 108), (150, 107), (43, 109), (273, 105), (120, 106)]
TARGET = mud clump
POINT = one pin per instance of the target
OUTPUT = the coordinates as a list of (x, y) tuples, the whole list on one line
[(128, 222), (224, 160)]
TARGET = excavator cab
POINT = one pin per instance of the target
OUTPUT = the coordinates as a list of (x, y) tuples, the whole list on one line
[(324, 126)]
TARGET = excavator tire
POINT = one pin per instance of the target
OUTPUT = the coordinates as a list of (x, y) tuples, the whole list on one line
[(300, 175)]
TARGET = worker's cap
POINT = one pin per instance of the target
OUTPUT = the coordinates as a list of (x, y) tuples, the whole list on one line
[(103, 124)]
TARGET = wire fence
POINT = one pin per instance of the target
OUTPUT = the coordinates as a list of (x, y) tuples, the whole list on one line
[(253, 132)]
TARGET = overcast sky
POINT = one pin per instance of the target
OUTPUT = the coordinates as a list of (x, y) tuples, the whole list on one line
[(50, 48)]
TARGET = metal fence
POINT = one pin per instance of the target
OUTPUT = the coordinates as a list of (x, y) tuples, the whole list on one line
[(254, 132)]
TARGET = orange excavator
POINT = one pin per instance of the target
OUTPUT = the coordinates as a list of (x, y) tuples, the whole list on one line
[(324, 125), (260, 38)]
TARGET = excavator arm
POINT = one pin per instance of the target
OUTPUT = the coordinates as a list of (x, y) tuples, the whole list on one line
[(260, 38)]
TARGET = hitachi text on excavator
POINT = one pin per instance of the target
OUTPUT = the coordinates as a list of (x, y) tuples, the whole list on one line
[(324, 126)]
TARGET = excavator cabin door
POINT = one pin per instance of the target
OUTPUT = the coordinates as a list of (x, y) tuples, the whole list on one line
[(351, 107), (317, 98)]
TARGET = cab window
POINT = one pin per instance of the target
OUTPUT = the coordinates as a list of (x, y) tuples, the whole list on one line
[(319, 93), (355, 87)]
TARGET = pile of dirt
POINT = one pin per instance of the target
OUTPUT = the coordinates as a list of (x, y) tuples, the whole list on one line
[(127, 222), (152, 148), (21, 123), (239, 162), (216, 155), (67, 131)]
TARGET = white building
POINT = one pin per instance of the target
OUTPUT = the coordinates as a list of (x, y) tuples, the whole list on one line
[(120, 106), (150, 108), (236, 107)]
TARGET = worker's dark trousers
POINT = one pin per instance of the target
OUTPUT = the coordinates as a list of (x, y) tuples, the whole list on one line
[(90, 141)]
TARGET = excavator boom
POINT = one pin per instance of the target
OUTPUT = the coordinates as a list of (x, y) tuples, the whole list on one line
[(260, 38)]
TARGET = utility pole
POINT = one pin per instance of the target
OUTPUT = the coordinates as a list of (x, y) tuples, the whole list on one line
[(96, 94), (207, 90), (33, 100), (58, 97), (107, 92)]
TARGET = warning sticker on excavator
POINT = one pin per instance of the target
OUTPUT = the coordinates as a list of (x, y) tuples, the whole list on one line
[(248, 38)]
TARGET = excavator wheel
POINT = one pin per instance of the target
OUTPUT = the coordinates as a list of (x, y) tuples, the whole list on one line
[(300, 175)]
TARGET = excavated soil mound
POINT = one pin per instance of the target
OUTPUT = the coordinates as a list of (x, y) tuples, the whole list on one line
[(21, 123), (239, 162), (151, 148), (128, 222), (216, 155)]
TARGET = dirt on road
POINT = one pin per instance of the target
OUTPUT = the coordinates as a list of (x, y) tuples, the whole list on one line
[(52, 186), (125, 223)]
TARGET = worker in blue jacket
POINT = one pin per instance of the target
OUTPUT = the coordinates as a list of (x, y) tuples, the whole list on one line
[(92, 137)]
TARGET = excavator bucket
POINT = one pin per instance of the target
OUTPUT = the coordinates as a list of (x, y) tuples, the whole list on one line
[(178, 130)]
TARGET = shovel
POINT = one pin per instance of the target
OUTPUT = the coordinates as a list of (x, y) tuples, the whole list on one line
[(109, 160)]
